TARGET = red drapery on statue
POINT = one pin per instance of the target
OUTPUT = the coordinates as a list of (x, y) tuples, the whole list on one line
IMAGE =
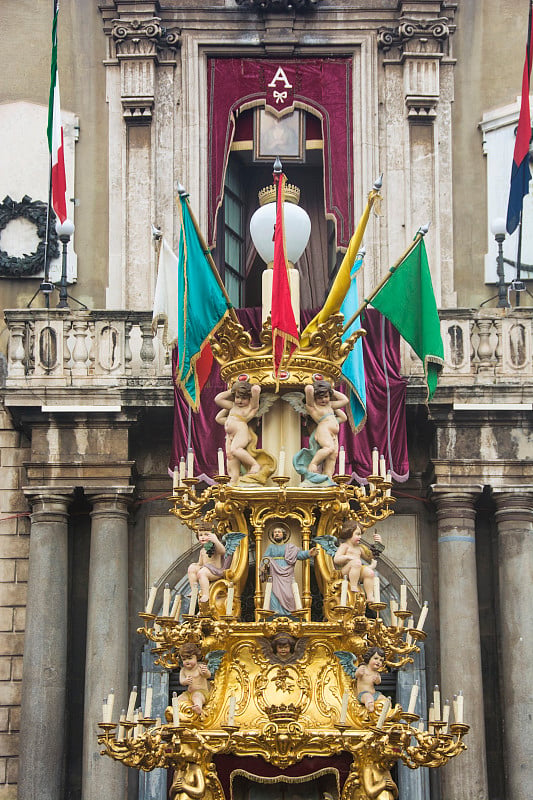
[(322, 86)]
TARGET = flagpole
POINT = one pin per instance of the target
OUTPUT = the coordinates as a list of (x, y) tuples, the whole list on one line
[(420, 234), (519, 255), (183, 193)]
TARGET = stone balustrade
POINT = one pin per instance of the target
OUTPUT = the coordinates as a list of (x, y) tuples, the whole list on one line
[(61, 347)]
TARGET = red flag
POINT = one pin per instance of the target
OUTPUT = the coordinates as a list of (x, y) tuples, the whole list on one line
[(520, 172), (204, 365), (284, 328)]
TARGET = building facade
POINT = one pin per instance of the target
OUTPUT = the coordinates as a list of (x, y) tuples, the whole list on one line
[(151, 97)]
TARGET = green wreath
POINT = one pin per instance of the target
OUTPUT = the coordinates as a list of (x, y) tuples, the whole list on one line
[(35, 211)]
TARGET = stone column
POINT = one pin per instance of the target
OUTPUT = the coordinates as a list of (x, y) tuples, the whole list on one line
[(42, 726), (464, 777), (106, 664), (514, 518)]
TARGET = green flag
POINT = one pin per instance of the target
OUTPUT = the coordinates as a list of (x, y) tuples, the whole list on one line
[(201, 304), (408, 301)]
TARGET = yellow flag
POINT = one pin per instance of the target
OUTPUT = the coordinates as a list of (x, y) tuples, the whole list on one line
[(341, 284)]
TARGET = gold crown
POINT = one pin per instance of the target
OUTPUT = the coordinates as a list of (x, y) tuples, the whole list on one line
[(283, 714), (322, 359), (268, 194)]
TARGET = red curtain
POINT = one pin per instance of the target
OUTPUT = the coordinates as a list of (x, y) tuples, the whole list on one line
[(322, 86)]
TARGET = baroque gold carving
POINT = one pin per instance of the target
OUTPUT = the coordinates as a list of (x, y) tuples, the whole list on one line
[(233, 349)]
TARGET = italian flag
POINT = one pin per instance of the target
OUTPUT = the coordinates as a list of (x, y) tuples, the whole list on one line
[(55, 133)]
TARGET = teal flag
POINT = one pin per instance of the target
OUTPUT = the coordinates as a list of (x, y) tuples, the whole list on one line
[(201, 304), (408, 301), (353, 369)]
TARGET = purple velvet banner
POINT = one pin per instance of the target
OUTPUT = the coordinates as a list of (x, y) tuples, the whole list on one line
[(385, 393), (322, 86)]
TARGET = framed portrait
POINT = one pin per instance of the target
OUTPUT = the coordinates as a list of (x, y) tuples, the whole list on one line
[(283, 136)]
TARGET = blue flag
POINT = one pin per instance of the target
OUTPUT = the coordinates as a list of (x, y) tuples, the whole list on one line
[(353, 369), (201, 304)]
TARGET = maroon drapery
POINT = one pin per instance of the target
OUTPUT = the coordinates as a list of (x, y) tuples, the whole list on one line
[(385, 393), (226, 764), (323, 86)]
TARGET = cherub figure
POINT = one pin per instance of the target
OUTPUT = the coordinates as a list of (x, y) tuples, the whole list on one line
[(194, 674), (209, 566), (367, 676), (240, 405), (348, 558), (378, 783), (283, 648), (188, 782), (323, 404)]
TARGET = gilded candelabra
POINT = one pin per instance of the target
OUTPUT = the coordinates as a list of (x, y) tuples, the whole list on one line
[(282, 706)]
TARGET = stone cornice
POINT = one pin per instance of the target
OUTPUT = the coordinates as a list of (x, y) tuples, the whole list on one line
[(279, 5)]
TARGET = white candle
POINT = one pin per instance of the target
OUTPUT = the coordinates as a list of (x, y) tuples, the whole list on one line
[(281, 462), (229, 600), (446, 713), (342, 460), (344, 591), (175, 710), (436, 701), (220, 456), (422, 617), (268, 594), (176, 478), (431, 714), (135, 724), (110, 704), (131, 704), (157, 722), (403, 597), (375, 461), (231, 710), (454, 706), (104, 710), (393, 608), (382, 467), (344, 707), (166, 600), (176, 607), (408, 638), (151, 600), (120, 734), (194, 598), (296, 595), (190, 463), (182, 468), (148, 702), (384, 712), (140, 718), (413, 698), (389, 480), (421, 726), (377, 590), (460, 707)]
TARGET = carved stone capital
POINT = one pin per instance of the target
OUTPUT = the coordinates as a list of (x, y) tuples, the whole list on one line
[(423, 35), (142, 38)]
